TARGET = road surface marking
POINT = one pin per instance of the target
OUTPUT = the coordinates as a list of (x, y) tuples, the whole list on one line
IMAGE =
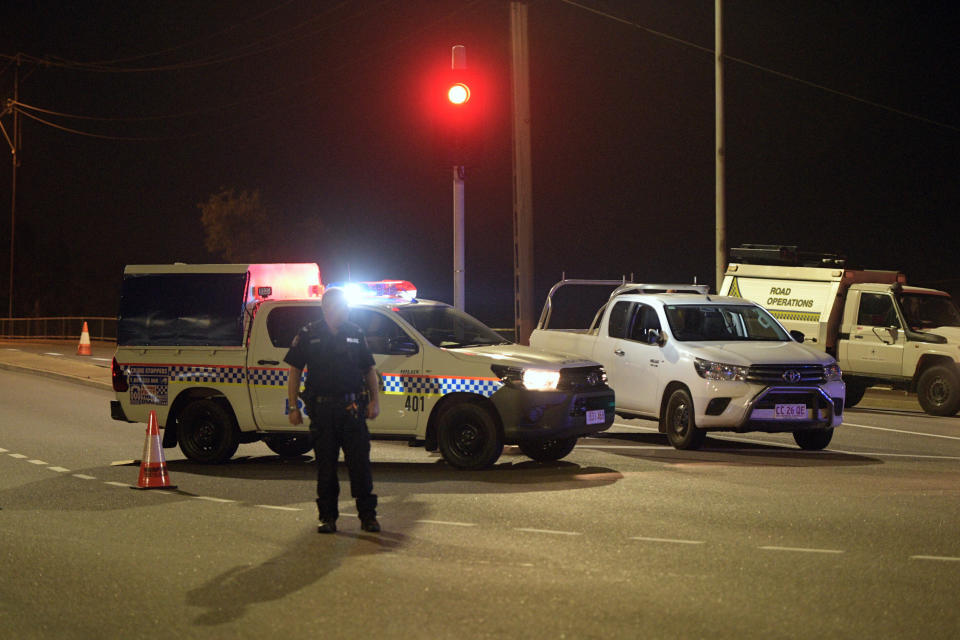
[(558, 533), (37, 462), (452, 524), (18, 456), (895, 455), (9, 349), (910, 433), (627, 426), (212, 499), (623, 446), (940, 558), (58, 469), (118, 484), (3, 450), (102, 359), (51, 353), (271, 506), (800, 549), (675, 540), (83, 476)]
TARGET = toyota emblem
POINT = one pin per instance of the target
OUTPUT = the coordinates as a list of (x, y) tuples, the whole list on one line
[(792, 376)]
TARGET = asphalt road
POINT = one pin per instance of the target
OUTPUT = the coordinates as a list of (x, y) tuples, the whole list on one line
[(626, 538)]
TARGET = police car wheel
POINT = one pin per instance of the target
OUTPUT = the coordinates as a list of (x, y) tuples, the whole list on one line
[(682, 431), (547, 450), (207, 432), (468, 436), (289, 446), (813, 439)]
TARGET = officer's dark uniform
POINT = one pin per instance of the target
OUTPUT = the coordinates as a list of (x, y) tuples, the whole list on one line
[(336, 365)]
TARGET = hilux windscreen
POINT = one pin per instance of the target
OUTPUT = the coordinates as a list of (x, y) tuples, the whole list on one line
[(448, 328), (925, 311), (704, 323)]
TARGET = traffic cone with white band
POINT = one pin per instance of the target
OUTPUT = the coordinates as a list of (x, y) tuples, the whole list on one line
[(83, 349), (153, 468)]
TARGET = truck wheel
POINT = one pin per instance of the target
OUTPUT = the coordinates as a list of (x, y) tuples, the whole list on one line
[(939, 391), (289, 446), (207, 432), (547, 450), (855, 391), (682, 431), (468, 436), (813, 439)]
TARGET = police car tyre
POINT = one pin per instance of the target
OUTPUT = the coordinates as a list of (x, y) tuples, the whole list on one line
[(468, 436), (682, 431), (813, 439), (939, 391), (289, 446), (547, 450), (207, 432), (855, 391)]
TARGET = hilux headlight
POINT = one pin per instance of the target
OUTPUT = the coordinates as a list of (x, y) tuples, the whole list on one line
[(720, 371), (832, 373), (531, 379)]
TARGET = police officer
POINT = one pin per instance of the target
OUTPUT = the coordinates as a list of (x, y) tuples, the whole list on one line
[(339, 367)]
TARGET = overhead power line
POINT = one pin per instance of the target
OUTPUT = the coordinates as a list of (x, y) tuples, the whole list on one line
[(759, 67)]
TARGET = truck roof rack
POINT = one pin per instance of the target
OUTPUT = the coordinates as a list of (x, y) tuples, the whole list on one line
[(785, 255)]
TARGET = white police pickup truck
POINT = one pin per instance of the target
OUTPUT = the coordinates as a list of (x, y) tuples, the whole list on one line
[(697, 363), (203, 347)]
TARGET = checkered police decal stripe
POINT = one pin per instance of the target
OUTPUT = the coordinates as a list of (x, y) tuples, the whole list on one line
[(438, 386), (213, 375)]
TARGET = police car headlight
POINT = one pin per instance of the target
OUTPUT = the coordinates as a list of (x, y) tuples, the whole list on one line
[(540, 379), (530, 379), (720, 371), (832, 373)]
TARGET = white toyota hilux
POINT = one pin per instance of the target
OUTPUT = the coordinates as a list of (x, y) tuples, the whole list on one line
[(698, 362)]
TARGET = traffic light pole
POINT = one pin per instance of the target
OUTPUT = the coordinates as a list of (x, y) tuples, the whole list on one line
[(458, 61), (522, 177)]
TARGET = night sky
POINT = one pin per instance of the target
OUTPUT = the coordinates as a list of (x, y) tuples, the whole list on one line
[(320, 106)]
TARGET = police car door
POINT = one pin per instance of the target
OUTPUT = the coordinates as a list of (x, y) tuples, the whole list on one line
[(395, 352), (273, 331)]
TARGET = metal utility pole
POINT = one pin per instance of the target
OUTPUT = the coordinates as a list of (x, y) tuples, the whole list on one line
[(522, 176), (721, 241), (458, 61), (13, 140)]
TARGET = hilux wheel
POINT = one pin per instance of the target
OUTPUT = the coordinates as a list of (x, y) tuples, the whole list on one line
[(813, 439), (547, 450), (207, 432), (939, 391), (468, 436), (289, 446), (682, 431)]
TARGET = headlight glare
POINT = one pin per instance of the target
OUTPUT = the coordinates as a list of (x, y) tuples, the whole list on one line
[(720, 371), (540, 379)]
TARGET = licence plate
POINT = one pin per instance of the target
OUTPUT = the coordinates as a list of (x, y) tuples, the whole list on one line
[(595, 417), (790, 412)]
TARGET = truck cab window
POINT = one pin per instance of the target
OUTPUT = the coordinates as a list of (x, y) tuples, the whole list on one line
[(620, 316), (645, 319), (378, 329), (284, 323), (877, 310)]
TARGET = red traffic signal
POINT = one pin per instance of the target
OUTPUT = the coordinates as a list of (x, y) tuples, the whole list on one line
[(458, 93)]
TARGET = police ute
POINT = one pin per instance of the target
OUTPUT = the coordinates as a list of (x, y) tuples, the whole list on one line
[(203, 347)]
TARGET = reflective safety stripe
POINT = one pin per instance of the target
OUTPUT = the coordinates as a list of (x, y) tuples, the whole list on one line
[(423, 385)]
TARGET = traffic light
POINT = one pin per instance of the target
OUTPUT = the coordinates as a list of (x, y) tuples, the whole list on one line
[(458, 93)]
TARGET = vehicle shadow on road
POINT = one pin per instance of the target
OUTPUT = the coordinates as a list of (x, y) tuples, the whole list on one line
[(307, 559), (716, 451), (507, 475)]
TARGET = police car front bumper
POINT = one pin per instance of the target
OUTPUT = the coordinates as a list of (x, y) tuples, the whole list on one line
[(538, 415)]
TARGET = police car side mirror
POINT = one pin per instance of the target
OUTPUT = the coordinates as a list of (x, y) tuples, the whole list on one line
[(797, 335), (402, 346)]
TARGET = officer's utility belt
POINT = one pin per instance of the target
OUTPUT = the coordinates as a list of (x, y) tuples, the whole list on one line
[(339, 399)]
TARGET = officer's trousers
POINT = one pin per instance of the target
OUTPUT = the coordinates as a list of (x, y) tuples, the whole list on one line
[(333, 427)]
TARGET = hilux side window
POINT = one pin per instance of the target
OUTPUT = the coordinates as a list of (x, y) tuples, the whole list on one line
[(284, 323), (378, 329), (644, 319), (877, 310), (620, 317)]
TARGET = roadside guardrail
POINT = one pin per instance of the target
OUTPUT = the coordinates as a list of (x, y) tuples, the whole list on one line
[(100, 328)]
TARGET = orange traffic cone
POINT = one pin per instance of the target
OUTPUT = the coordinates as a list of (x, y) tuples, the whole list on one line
[(83, 349), (153, 468)]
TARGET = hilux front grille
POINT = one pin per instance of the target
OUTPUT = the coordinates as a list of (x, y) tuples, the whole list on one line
[(786, 374), (582, 378)]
